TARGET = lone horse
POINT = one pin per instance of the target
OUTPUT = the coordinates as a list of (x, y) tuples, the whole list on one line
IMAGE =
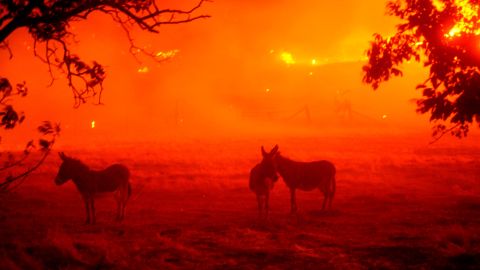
[(306, 176), (262, 179), (92, 183)]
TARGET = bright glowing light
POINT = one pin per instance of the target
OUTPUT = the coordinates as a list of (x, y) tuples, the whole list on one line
[(267, 90), (454, 31), (287, 58), (144, 69), (311, 73), (93, 124), (314, 61), (469, 22), (439, 5), (384, 116), (166, 54)]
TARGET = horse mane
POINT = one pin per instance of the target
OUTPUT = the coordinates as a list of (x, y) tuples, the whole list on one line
[(280, 156), (79, 163)]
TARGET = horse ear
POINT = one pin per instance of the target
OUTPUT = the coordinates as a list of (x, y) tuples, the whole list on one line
[(263, 151), (274, 150)]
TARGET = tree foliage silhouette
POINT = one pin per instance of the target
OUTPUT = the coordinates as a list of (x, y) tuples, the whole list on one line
[(48, 23), (445, 36)]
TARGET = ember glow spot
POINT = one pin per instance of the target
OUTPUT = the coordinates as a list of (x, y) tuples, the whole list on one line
[(287, 58), (144, 69)]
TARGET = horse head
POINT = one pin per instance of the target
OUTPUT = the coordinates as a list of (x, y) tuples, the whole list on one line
[(268, 163), (66, 170)]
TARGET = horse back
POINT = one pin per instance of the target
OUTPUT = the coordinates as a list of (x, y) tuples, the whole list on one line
[(309, 175), (111, 178)]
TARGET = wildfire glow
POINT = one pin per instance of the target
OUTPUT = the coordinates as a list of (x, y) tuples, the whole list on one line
[(163, 55), (469, 23), (287, 58), (93, 124), (144, 69)]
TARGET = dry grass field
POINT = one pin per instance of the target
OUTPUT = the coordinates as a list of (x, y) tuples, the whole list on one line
[(400, 204)]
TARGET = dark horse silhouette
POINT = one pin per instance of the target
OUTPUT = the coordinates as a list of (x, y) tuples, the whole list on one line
[(262, 179), (306, 176), (92, 183)]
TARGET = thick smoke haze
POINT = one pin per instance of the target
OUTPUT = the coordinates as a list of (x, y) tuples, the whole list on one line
[(255, 67)]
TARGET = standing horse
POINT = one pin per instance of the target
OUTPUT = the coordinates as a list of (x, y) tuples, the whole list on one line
[(92, 183), (262, 179), (306, 176)]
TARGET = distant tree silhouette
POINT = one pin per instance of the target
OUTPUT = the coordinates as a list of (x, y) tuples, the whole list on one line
[(48, 23), (445, 36)]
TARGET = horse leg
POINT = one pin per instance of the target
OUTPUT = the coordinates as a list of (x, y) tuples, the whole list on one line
[(124, 203), (326, 195), (293, 201), (126, 196), (92, 204), (87, 208), (332, 192), (260, 205), (118, 198), (119, 210), (267, 196)]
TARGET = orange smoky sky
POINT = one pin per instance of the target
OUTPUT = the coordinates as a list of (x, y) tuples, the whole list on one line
[(254, 66)]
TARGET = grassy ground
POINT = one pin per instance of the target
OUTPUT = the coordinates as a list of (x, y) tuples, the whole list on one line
[(400, 204)]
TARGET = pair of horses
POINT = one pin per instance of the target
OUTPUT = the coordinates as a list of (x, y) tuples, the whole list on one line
[(305, 176)]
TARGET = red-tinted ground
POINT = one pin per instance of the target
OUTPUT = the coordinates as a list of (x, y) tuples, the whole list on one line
[(400, 204)]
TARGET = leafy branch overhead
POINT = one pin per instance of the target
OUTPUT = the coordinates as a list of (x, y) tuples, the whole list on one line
[(445, 36), (48, 22), (16, 168)]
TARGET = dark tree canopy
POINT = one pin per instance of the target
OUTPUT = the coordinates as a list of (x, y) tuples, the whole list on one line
[(445, 36), (48, 22)]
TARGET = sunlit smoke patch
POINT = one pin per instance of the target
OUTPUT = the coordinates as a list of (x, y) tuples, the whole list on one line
[(287, 58), (143, 69), (164, 55)]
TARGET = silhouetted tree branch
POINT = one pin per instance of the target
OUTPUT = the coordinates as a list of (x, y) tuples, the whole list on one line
[(445, 36), (15, 168), (48, 23), (49, 132)]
